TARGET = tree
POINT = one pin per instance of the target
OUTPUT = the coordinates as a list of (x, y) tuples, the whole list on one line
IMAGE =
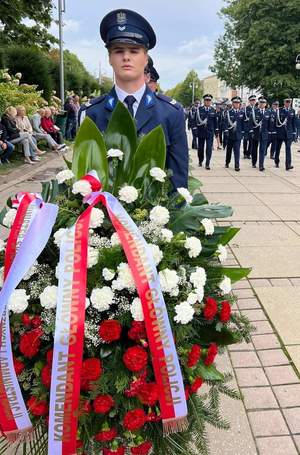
[(183, 92), (16, 31), (260, 43)]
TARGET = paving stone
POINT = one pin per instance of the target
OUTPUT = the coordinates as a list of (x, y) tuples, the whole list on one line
[(276, 445), (272, 357), (243, 284), (288, 395), (294, 352), (247, 304), (293, 419), (263, 235), (250, 377), (244, 293), (295, 281), (241, 347), (297, 441), (281, 375), (259, 397), (263, 327), (268, 341), (280, 282), (260, 283), (255, 315), (244, 359), (268, 423)]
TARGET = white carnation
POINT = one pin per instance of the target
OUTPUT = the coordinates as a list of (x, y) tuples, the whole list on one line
[(128, 194), (115, 153), (222, 253), (18, 301), (9, 218), (82, 187), (169, 281), (208, 226), (62, 176), (87, 302), (184, 192), (136, 309), (159, 215), (58, 236), (48, 297), (225, 285), (194, 247), (125, 278), (184, 313), (108, 274), (192, 298), (97, 218), (102, 298), (156, 253), (166, 235), (2, 245), (200, 293), (198, 278), (158, 174), (115, 239), (93, 255)]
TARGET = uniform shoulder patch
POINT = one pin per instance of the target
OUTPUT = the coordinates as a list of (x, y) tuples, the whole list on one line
[(169, 100), (97, 100)]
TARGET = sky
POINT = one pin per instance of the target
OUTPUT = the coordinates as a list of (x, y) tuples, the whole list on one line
[(186, 32)]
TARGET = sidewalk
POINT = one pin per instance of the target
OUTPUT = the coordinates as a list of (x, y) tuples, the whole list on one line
[(267, 209)]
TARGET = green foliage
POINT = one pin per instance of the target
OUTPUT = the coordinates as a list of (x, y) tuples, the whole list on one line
[(189, 217), (183, 92)]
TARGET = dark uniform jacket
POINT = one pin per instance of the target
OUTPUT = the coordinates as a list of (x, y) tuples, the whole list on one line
[(286, 123), (260, 124), (154, 109), (248, 112), (192, 121), (207, 122), (3, 133), (234, 124), (273, 120)]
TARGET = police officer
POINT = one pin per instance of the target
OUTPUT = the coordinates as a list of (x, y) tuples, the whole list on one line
[(227, 107), (152, 75), (219, 114), (192, 125), (247, 142), (128, 37), (265, 117), (272, 129), (254, 131), (234, 130), (207, 127), (286, 132)]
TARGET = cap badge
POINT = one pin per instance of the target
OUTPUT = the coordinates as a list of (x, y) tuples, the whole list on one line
[(121, 18), (122, 28)]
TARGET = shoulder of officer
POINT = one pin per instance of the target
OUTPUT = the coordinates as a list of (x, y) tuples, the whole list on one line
[(169, 100), (97, 100)]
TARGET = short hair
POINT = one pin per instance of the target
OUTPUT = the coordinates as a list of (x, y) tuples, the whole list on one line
[(11, 110)]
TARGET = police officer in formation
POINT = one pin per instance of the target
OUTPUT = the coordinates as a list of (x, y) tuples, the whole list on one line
[(272, 139), (192, 123), (247, 142), (207, 126), (234, 130), (259, 125), (286, 132)]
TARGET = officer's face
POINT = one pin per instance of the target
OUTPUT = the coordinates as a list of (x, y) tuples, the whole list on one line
[(207, 103), (236, 105), (287, 104), (128, 61), (252, 102)]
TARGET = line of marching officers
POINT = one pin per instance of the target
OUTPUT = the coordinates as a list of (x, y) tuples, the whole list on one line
[(257, 126)]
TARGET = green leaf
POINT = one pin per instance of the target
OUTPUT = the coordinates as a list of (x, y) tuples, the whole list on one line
[(193, 184), (90, 152), (210, 372), (150, 153), (223, 337), (189, 217), (54, 190), (234, 273), (68, 163), (229, 234), (45, 190), (121, 134), (199, 199), (2, 215)]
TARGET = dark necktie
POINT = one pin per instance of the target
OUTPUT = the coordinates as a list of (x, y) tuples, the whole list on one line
[(130, 100)]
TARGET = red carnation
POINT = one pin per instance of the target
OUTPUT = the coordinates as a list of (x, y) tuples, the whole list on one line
[(194, 356), (103, 404), (137, 331), (19, 366), (134, 420), (49, 357), (187, 391), (119, 451), (153, 417), (135, 358), (26, 320), (36, 321), (142, 449), (210, 309), (196, 384), (211, 354), (79, 444), (91, 369), (110, 330), (85, 407), (37, 407), (148, 393), (46, 376), (30, 343), (225, 312), (106, 435)]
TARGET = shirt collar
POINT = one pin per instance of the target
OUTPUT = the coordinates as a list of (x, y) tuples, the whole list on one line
[(121, 94)]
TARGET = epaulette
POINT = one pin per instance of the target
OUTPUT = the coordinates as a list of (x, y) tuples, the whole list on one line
[(169, 100), (97, 100)]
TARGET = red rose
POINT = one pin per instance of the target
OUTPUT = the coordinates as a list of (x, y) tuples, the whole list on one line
[(91, 369), (134, 420), (148, 393), (46, 376), (211, 354), (30, 343), (26, 320), (37, 407), (135, 359), (210, 309), (194, 356), (49, 357), (36, 321), (103, 404), (79, 444), (137, 331), (119, 451), (225, 312), (196, 384), (142, 449), (19, 366), (110, 330), (106, 435)]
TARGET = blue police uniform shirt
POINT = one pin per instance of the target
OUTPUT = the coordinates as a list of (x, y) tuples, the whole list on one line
[(286, 123), (153, 110), (273, 119), (207, 122), (234, 124)]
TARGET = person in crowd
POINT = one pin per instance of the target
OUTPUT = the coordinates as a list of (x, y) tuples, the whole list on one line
[(220, 125), (259, 127), (272, 140), (247, 141), (15, 136), (24, 125), (6, 148), (234, 129), (298, 124), (286, 132), (77, 109), (227, 107), (192, 125), (49, 127), (40, 134), (71, 118), (207, 125)]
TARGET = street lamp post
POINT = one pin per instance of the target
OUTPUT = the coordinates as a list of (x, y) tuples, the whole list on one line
[(61, 10), (193, 86), (298, 62)]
